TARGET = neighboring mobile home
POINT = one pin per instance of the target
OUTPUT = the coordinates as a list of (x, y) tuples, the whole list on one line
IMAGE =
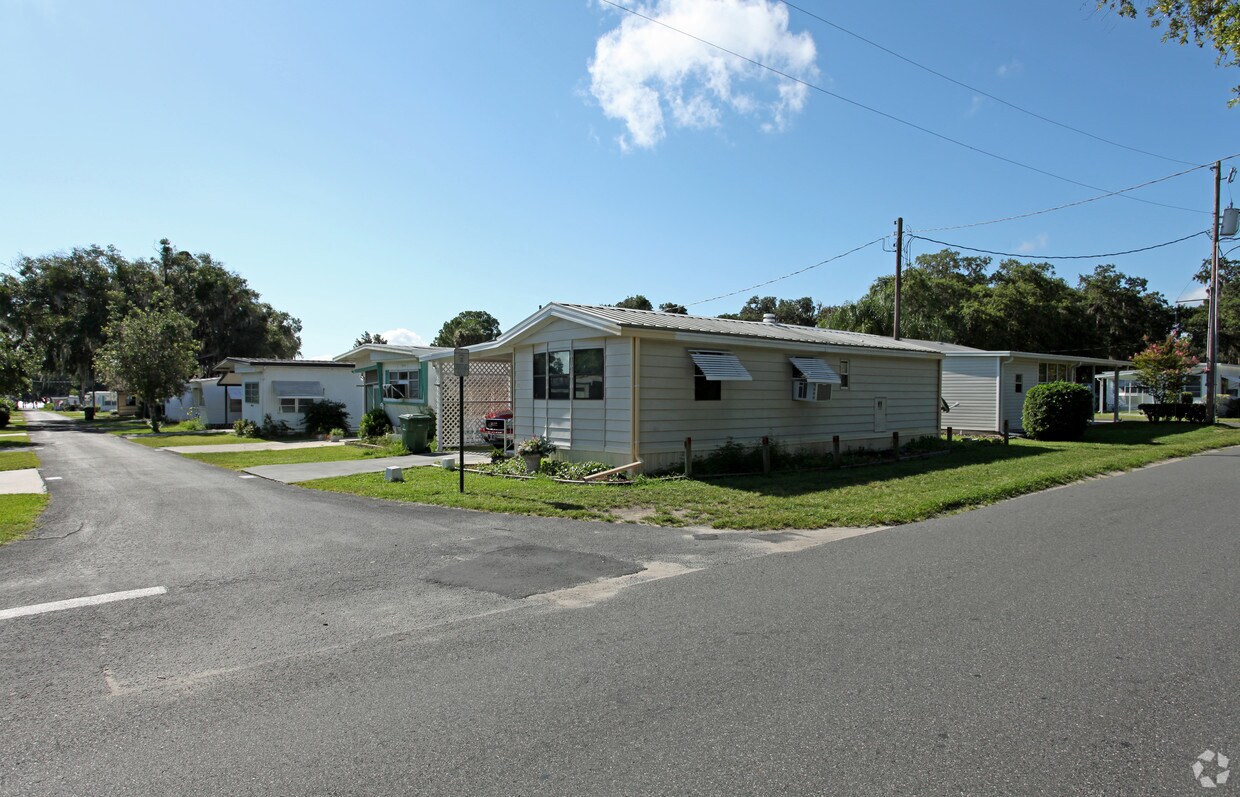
[(1132, 393), (284, 388), (214, 404), (394, 377), (982, 389), (617, 385)]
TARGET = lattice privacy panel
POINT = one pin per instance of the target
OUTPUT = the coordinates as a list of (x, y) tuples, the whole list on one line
[(488, 388)]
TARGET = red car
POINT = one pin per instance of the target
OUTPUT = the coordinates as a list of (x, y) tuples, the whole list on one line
[(497, 428)]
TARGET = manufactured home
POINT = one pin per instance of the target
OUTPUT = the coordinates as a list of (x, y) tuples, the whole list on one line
[(1133, 394), (284, 388), (616, 385), (983, 389), (395, 378), (206, 399)]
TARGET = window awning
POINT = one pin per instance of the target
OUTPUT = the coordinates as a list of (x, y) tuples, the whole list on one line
[(815, 371), (720, 366), (312, 390)]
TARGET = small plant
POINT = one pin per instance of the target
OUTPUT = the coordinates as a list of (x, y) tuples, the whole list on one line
[(1057, 411), (322, 416), (375, 423), (193, 421), (336, 434), (539, 446), (245, 428)]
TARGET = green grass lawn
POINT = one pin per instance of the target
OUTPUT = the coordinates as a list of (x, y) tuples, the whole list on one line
[(18, 514), (18, 460), (165, 441), (236, 460), (1123, 416), (973, 474)]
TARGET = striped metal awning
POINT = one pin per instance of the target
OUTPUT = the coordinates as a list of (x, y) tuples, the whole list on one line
[(720, 366), (298, 389), (815, 371)]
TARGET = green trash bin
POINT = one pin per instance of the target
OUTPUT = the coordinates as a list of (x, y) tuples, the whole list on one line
[(415, 429)]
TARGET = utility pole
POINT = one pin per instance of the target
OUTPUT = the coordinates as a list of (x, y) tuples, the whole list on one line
[(1212, 323), (895, 325)]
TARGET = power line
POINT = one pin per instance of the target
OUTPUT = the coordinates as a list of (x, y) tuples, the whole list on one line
[(976, 90), (884, 114), (1074, 204), (1060, 257), (791, 274)]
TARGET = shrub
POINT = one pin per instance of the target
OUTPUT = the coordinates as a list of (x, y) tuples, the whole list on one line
[(337, 432), (323, 416), (375, 423), (244, 428), (1192, 413), (1227, 407), (6, 412), (1057, 411), (272, 428)]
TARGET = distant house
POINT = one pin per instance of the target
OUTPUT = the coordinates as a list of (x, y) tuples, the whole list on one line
[(284, 388), (617, 385), (982, 389), (1133, 394), (213, 403), (395, 378)]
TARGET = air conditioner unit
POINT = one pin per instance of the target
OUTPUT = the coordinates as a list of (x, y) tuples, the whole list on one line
[(803, 390)]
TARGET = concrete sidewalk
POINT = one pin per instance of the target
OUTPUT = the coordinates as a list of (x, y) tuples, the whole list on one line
[(306, 471), (28, 480), (266, 445)]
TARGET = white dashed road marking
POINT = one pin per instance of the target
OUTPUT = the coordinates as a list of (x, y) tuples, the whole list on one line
[(52, 478), (74, 603)]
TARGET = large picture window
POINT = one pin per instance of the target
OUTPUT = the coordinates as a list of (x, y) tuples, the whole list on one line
[(588, 374), (552, 375), (403, 386), (1052, 372)]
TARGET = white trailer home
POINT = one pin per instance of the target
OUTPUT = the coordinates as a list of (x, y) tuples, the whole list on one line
[(982, 389), (616, 385), (284, 388), (395, 378), (213, 403)]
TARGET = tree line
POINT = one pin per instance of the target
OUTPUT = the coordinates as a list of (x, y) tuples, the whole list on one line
[(58, 310), (1012, 306)]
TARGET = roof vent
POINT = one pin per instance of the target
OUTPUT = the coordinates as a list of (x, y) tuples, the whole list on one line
[(768, 318)]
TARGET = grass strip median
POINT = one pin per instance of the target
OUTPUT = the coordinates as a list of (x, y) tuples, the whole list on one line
[(974, 473), (239, 460), (18, 514), (18, 460)]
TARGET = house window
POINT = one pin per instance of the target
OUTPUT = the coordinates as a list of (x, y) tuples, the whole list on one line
[(843, 374), (251, 392), (706, 389), (290, 406), (234, 404), (403, 386), (588, 374), (1052, 372), (552, 375), (1020, 383)]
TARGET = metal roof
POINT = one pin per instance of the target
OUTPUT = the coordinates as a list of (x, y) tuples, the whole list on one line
[(296, 363), (389, 348), (673, 322), (955, 349)]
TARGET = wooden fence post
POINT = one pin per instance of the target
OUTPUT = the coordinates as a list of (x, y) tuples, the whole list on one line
[(766, 455), (835, 450), (895, 446), (949, 437), (1005, 431), (688, 457)]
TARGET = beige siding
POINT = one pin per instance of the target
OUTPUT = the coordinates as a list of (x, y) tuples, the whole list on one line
[(595, 430), (764, 407), (969, 382)]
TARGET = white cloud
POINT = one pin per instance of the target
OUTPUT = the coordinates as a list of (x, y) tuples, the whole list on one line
[(1035, 243), (975, 105), (403, 337), (1010, 69), (643, 72)]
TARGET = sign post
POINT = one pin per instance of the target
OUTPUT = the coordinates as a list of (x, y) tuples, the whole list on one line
[(460, 367)]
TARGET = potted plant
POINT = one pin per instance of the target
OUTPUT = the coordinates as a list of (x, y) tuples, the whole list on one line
[(336, 435), (533, 450)]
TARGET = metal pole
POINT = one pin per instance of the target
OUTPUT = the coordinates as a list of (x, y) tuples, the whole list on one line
[(895, 322), (460, 439), (1212, 344)]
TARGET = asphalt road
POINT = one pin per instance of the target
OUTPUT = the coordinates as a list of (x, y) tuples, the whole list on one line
[(1079, 641)]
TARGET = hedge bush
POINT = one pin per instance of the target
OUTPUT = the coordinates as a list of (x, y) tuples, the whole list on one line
[(375, 423), (1181, 411), (1057, 411), (323, 416)]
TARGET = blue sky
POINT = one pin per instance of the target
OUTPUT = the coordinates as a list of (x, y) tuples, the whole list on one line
[(383, 166)]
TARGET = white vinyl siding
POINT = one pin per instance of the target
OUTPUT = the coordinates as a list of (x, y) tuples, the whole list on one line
[(1013, 403), (969, 383)]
